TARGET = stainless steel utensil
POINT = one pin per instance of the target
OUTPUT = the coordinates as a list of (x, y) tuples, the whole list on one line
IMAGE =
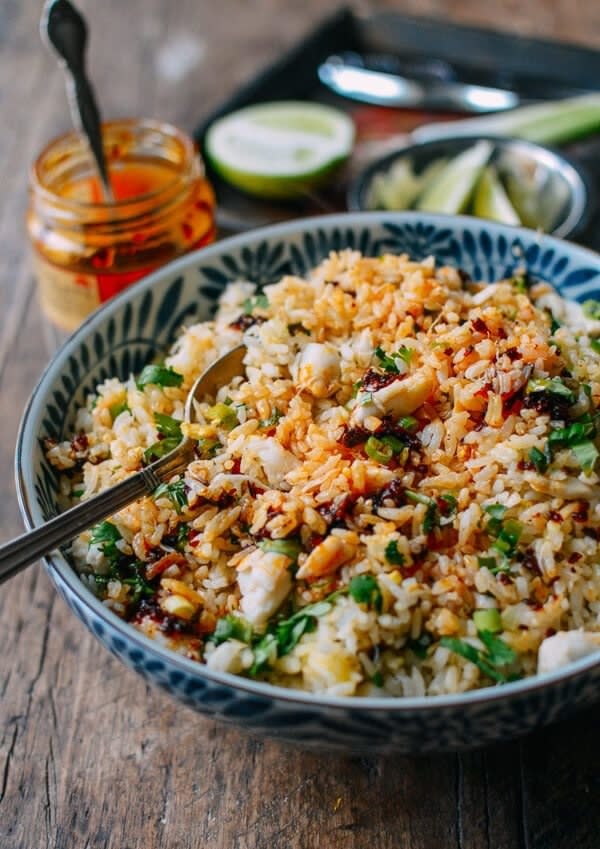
[(65, 30), (18, 553), (391, 89)]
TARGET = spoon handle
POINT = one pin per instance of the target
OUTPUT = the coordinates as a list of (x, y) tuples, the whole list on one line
[(86, 115), (18, 553)]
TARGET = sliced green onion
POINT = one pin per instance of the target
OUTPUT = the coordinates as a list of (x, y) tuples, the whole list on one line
[(418, 497), (586, 455), (224, 415), (394, 443), (496, 511), (487, 563), (377, 450), (231, 628), (488, 620), (539, 459), (508, 538), (408, 423), (595, 345), (250, 304), (291, 547)]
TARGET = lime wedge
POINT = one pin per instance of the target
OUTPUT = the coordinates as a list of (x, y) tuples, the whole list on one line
[(451, 189), (491, 200), (279, 149)]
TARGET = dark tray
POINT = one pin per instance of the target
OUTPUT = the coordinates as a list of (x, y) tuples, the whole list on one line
[(476, 55)]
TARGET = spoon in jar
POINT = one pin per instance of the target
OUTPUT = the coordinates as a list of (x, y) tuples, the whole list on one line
[(18, 553), (65, 30)]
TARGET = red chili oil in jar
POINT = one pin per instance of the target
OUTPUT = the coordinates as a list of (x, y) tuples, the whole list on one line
[(87, 249)]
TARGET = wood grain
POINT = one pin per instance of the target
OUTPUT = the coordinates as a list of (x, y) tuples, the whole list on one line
[(90, 757)]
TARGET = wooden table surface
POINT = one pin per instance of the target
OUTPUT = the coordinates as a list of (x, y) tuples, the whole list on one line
[(90, 757)]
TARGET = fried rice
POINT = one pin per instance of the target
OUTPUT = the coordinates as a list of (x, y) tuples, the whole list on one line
[(399, 497)]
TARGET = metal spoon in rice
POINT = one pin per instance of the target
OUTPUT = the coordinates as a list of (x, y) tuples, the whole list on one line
[(27, 548)]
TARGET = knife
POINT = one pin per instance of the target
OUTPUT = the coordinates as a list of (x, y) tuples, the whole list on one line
[(391, 89)]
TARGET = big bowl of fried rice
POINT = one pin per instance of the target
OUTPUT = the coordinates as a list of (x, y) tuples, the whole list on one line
[(387, 538)]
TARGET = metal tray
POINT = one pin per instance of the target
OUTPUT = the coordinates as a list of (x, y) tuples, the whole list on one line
[(475, 54)]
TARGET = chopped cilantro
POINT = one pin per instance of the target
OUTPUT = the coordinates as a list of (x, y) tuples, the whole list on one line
[(159, 375), (175, 492), (106, 536), (283, 635), (364, 589), (167, 426), (492, 660), (140, 588), (388, 361), (392, 555)]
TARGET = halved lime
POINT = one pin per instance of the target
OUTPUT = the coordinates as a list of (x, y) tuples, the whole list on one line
[(491, 200), (279, 149), (451, 190)]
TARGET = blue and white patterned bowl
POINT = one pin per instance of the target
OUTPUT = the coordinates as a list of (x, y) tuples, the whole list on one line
[(143, 320)]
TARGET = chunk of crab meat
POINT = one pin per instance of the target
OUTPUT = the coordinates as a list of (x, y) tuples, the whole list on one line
[(402, 397), (275, 460), (569, 489), (316, 369), (264, 581), (328, 556), (563, 648), (227, 657)]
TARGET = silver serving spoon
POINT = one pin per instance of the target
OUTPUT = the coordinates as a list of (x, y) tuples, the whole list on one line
[(65, 30), (27, 548)]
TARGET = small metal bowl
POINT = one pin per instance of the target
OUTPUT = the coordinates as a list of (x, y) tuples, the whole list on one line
[(561, 202)]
